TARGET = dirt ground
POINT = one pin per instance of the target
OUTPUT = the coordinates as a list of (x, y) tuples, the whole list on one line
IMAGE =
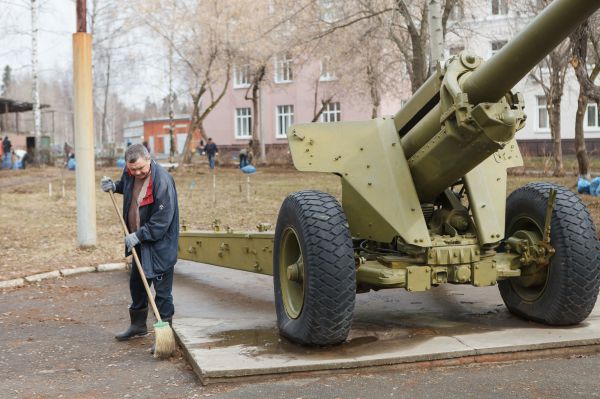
[(57, 336), (39, 227)]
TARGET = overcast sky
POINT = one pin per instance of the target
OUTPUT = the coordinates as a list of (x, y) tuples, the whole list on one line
[(57, 25)]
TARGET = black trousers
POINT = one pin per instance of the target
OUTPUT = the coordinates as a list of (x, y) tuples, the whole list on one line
[(163, 286)]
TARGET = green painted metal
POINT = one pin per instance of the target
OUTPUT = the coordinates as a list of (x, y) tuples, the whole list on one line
[(251, 252), (400, 178), (379, 197), (292, 273)]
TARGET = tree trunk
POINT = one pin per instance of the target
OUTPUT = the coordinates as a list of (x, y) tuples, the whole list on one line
[(256, 138), (171, 113), (374, 90), (583, 160), (35, 90), (186, 157), (554, 117), (103, 137), (436, 34)]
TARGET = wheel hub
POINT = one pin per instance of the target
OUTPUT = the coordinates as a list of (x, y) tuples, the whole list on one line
[(291, 272), (295, 271)]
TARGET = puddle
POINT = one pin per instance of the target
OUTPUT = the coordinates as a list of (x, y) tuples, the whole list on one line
[(369, 336)]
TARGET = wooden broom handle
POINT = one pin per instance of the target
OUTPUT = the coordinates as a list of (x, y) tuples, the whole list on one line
[(137, 260)]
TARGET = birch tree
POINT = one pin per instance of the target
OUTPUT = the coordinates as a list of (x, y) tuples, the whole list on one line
[(35, 89)]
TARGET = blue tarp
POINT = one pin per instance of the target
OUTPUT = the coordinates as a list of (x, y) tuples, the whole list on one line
[(248, 169), (586, 187)]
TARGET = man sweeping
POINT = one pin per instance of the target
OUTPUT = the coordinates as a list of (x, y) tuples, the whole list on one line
[(151, 213)]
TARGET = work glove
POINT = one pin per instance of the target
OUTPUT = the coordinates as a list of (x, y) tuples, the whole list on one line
[(106, 184), (131, 241)]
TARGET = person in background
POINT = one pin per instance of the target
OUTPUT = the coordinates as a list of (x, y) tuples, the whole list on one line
[(211, 151), (6, 153), (145, 144)]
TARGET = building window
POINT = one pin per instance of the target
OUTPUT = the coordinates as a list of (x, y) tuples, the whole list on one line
[(326, 72), (455, 50), (592, 116), (241, 76), (497, 45), (542, 113), (499, 7), (243, 123), (331, 113), (283, 69), (457, 12), (285, 118), (329, 11)]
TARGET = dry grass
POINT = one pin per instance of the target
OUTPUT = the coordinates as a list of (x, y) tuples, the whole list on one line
[(38, 232)]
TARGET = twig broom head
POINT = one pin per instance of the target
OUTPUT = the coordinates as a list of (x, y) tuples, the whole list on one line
[(164, 344)]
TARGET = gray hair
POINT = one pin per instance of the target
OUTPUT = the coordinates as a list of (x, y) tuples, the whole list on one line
[(136, 151)]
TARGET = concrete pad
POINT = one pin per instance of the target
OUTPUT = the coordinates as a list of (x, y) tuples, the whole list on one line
[(42, 276), (225, 320), (17, 282), (111, 267), (77, 270)]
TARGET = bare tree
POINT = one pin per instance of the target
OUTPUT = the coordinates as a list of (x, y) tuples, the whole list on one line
[(585, 36), (550, 75)]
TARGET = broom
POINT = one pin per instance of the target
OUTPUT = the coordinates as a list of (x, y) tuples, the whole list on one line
[(164, 339)]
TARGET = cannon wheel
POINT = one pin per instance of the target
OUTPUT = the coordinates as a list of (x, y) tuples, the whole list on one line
[(565, 291), (314, 273)]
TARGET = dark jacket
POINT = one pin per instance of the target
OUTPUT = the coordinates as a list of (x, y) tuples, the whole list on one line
[(159, 220), (211, 149), (6, 146)]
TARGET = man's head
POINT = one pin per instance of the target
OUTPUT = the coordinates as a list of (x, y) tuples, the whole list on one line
[(138, 161), (210, 139)]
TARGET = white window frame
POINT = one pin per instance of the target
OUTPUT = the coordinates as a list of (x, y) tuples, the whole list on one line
[(502, 6), (241, 76), (243, 123), (455, 50), (541, 108), (591, 106), (327, 74), (457, 13), (331, 113), (496, 42), (283, 68), (284, 118), (329, 11)]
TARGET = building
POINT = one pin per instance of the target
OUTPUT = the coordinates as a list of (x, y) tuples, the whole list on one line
[(156, 134), (482, 27), (133, 133), (13, 126)]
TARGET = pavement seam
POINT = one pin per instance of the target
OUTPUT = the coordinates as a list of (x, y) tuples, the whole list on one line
[(61, 273)]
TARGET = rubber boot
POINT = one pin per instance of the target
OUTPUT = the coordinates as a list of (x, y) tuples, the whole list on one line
[(168, 320), (138, 325)]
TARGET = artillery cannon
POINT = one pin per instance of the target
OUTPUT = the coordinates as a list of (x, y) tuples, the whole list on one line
[(424, 204)]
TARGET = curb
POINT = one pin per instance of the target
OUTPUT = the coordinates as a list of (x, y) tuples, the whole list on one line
[(55, 274)]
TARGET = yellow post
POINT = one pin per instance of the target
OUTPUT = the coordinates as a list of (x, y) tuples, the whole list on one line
[(84, 139)]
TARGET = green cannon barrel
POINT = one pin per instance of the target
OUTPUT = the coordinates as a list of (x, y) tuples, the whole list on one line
[(488, 83)]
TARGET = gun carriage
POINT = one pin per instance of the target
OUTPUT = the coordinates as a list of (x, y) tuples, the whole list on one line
[(424, 204)]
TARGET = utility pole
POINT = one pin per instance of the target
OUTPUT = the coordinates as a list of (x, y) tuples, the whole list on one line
[(85, 180)]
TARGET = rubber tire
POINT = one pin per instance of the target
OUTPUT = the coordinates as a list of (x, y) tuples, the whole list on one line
[(329, 269), (573, 277)]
